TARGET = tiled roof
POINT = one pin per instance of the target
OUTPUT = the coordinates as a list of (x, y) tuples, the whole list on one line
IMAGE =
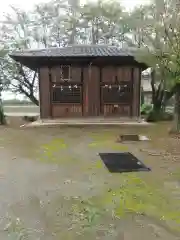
[(77, 51)]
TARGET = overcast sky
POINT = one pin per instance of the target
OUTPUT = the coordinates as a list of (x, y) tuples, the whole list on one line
[(28, 4), (129, 4)]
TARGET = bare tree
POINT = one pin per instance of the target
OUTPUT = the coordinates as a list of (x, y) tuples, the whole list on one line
[(56, 23)]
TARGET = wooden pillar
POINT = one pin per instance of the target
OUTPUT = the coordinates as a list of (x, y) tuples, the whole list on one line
[(91, 86), (44, 93), (94, 92), (85, 91), (136, 92)]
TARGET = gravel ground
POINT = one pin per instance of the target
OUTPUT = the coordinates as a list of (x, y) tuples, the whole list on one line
[(51, 183)]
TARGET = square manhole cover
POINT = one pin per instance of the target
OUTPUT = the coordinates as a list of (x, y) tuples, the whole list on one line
[(122, 162)]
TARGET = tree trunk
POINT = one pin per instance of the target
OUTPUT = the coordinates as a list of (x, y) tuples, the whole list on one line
[(2, 116), (157, 105), (157, 95), (158, 102), (142, 96), (31, 97), (176, 122), (34, 100)]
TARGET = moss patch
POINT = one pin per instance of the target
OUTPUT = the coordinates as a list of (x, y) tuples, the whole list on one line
[(53, 151), (176, 174), (137, 197), (134, 195)]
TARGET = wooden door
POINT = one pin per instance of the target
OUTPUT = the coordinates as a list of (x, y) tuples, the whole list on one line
[(116, 92), (66, 91)]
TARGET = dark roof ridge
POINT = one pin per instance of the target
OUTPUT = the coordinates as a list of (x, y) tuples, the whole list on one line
[(79, 50), (69, 46)]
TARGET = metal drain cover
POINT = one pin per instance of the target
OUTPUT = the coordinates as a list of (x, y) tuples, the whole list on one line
[(132, 137)]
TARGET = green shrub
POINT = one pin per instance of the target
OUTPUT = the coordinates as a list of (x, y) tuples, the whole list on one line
[(162, 116), (146, 109), (152, 117), (167, 116), (30, 118)]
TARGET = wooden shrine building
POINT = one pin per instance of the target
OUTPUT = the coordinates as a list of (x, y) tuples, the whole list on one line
[(85, 81)]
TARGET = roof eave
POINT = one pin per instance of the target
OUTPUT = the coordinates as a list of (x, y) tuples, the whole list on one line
[(20, 60), (33, 62)]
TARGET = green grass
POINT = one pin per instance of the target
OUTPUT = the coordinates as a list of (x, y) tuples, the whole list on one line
[(135, 195), (176, 174), (86, 212), (138, 197), (108, 143), (16, 230), (50, 151), (119, 194)]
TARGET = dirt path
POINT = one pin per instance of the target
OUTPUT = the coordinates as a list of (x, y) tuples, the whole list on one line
[(46, 200), (26, 189)]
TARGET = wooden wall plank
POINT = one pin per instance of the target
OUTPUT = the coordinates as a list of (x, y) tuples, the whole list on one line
[(120, 111), (108, 74), (76, 74), (127, 74), (124, 74), (120, 76), (66, 110), (55, 74), (44, 89)]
